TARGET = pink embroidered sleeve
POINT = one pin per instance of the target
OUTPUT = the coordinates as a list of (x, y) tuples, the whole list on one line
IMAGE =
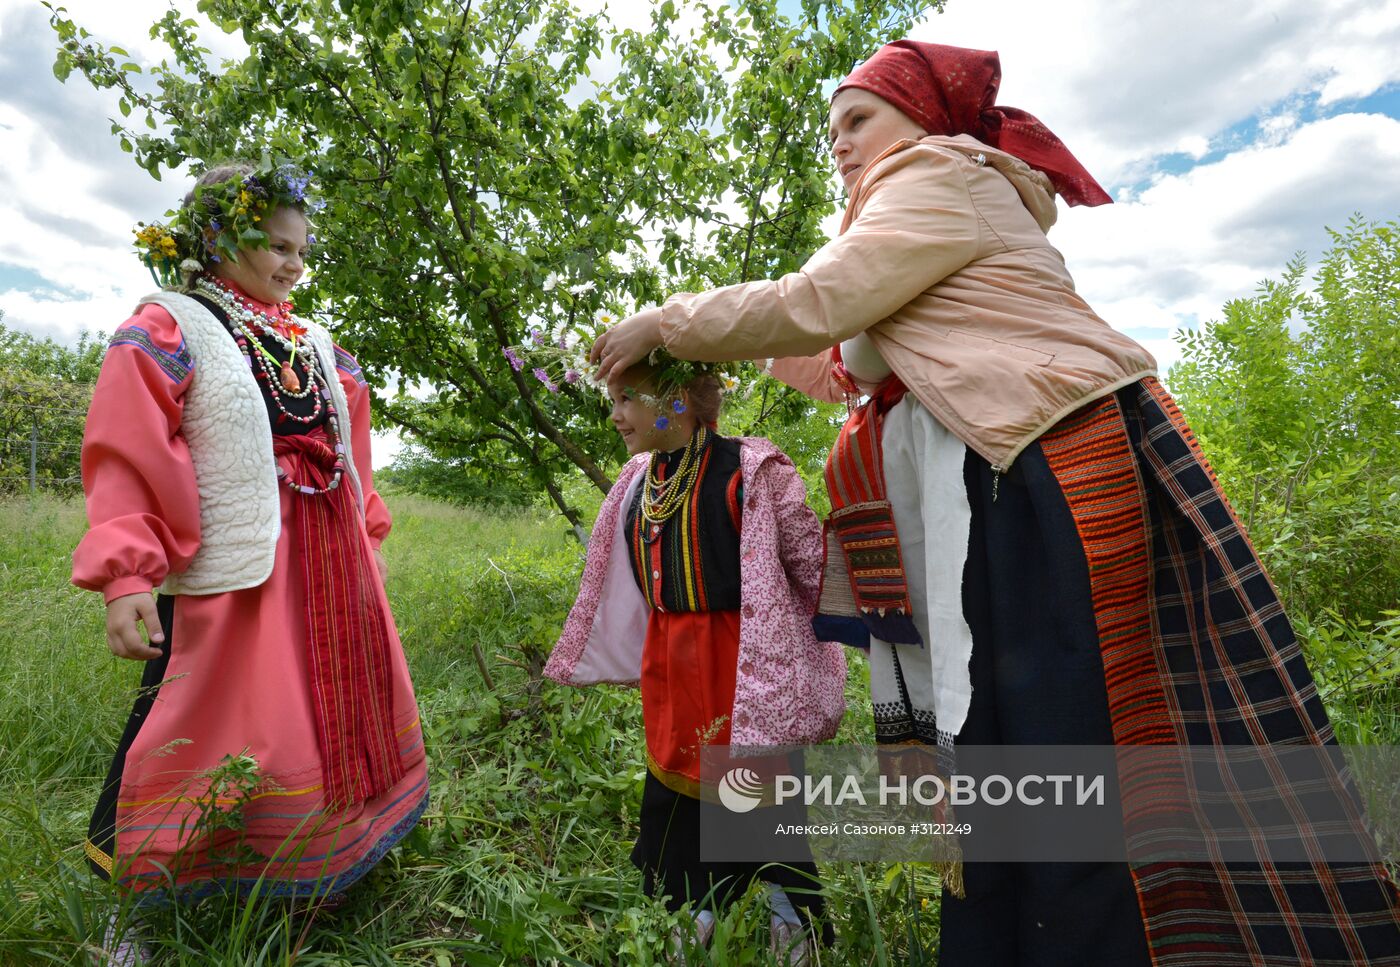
[(799, 532), (142, 499), (352, 380)]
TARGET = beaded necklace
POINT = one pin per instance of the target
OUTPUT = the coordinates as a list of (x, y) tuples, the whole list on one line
[(279, 326), (247, 323), (662, 498)]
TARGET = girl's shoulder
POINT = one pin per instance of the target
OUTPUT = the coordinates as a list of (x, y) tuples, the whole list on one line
[(630, 469), (154, 331), (755, 451), (348, 366), (765, 467), (153, 319)]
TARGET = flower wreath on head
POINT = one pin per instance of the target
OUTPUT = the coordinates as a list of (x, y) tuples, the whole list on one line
[(221, 218), (559, 359)]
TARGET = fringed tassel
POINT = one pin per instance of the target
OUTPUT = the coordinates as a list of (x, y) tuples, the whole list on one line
[(950, 873)]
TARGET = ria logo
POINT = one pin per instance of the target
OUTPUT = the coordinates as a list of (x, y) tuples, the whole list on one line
[(740, 790)]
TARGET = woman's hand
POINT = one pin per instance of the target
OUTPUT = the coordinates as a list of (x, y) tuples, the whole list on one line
[(382, 565), (123, 637), (626, 343)]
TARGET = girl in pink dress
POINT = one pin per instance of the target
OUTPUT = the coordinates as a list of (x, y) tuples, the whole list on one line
[(226, 464)]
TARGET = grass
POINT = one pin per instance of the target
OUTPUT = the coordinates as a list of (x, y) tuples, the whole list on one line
[(523, 856)]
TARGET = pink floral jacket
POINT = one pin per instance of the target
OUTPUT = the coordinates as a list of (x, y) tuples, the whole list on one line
[(790, 688)]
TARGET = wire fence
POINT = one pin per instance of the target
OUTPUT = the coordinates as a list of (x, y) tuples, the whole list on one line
[(41, 434)]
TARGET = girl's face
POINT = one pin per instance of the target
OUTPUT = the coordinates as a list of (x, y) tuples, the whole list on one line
[(268, 274), (863, 125), (636, 422)]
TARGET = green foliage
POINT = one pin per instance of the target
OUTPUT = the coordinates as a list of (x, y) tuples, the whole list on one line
[(1295, 395), (467, 476), (467, 152), (45, 388)]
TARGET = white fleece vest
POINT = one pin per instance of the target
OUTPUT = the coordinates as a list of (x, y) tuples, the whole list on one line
[(225, 424)]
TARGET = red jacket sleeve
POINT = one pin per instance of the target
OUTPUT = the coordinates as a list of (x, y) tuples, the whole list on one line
[(138, 479)]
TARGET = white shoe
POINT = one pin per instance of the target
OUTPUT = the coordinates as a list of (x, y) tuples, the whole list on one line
[(788, 939), (124, 950)]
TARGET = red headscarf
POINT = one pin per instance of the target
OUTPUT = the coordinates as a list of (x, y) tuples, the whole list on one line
[(952, 90)]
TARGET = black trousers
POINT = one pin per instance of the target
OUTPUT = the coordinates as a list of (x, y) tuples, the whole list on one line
[(668, 854)]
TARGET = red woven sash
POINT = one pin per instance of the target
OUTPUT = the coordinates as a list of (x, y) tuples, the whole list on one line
[(864, 589), (348, 636)]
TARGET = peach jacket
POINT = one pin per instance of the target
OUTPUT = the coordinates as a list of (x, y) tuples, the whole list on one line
[(942, 261), (790, 688)]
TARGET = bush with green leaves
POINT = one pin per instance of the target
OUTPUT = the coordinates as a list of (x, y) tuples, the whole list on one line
[(45, 388), (1295, 395)]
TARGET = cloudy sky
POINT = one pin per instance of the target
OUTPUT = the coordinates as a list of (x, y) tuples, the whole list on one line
[(1230, 134)]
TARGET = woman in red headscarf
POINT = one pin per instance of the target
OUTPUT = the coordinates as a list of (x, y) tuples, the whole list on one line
[(1026, 535)]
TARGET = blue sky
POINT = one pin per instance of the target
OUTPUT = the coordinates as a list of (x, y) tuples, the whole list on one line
[(1230, 135)]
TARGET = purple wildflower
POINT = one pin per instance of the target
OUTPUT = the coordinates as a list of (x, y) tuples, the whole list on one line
[(214, 224), (662, 422), (541, 375), (294, 182), (572, 376), (537, 337), (516, 363)]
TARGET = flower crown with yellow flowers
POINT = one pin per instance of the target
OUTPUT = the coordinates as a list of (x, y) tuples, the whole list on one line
[(221, 218)]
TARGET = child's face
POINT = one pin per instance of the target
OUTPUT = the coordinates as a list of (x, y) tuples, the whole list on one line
[(268, 274), (636, 422)]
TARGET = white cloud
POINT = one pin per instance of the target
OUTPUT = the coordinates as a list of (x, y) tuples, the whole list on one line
[(69, 196), (1177, 252), (1123, 82)]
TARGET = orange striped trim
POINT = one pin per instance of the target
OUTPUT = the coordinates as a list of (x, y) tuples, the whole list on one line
[(1093, 461)]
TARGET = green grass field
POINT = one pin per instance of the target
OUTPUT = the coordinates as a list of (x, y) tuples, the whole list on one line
[(523, 855)]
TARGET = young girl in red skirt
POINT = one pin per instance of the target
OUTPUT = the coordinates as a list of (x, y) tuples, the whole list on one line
[(701, 579)]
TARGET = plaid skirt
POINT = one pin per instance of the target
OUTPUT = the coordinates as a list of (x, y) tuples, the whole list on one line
[(1197, 651), (1114, 597)]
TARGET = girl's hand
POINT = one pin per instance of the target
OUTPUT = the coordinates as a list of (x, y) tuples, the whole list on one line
[(123, 637), (382, 565), (626, 343)]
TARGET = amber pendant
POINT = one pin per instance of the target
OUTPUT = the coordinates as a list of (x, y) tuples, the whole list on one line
[(290, 382)]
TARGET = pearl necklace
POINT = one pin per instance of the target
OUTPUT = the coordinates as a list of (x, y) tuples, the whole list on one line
[(254, 322)]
